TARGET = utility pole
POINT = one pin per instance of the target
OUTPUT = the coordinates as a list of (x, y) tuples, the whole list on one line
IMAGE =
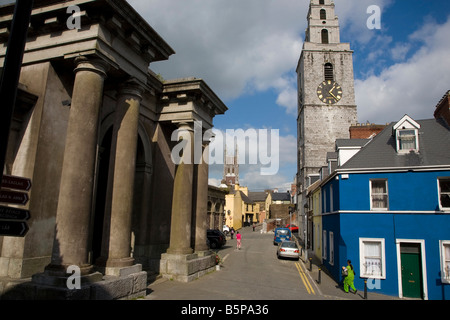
[(11, 72)]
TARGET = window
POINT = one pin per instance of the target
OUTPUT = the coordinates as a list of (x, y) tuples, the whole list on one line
[(407, 140), (406, 133), (321, 1), (324, 245), (379, 195), (445, 261), (328, 71), (331, 199), (325, 36), (372, 258), (323, 14), (444, 193)]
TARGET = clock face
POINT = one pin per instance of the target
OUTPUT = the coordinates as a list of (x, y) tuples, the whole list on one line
[(329, 92)]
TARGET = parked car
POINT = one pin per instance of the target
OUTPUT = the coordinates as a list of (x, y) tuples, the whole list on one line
[(288, 249), (216, 238), (281, 234), (292, 227), (226, 229)]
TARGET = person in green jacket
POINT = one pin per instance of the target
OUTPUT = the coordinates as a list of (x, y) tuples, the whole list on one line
[(349, 278)]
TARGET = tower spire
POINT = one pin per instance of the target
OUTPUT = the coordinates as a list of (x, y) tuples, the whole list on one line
[(323, 24)]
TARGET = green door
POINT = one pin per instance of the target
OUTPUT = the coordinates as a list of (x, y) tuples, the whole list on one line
[(411, 270)]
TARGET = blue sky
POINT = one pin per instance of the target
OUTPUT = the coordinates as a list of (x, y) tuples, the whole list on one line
[(247, 52)]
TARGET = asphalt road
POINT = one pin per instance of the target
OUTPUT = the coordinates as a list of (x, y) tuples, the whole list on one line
[(252, 273)]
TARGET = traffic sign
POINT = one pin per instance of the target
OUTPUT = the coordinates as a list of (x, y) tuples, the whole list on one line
[(13, 228), (18, 183), (13, 197), (14, 214)]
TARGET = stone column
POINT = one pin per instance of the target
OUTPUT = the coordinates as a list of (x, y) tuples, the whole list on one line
[(116, 246), (180, 230), (71, 244), (201, 210)]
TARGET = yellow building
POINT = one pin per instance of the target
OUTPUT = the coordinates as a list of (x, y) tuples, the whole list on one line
[(239, 208)]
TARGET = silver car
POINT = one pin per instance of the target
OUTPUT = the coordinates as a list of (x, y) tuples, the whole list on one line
[(288, 249)]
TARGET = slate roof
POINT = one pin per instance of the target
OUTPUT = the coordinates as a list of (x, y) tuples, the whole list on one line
[(434, 149), (281, 196), (257, 196), (342, 143)]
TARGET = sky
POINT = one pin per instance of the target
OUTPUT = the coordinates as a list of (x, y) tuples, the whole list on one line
[(247, 52)]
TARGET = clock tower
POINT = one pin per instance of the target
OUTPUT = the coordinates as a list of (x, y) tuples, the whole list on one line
[(326, 93)]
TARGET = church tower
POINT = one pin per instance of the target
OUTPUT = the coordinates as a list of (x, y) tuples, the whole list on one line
[(326, 93), (231, 169)]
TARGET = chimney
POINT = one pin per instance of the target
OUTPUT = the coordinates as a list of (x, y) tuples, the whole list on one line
[(443, 108)]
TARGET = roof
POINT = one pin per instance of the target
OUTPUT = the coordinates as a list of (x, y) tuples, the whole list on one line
[(281, 196), (434, 149), (345, 143), (245, 198), (257, 196)]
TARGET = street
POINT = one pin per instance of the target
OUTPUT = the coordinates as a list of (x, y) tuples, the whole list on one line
[(252, 273)]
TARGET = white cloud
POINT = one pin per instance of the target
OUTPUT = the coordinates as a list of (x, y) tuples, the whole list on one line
[(235, 46), (414, 86)]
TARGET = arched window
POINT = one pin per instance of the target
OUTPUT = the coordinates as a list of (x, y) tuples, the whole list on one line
[(328, 71), (323, 14), (325, 36)]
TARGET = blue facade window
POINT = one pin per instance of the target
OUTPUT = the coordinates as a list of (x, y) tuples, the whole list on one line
[(379, 194), (444, 193)]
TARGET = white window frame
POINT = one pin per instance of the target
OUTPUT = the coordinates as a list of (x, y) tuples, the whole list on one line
[(416, 140), (371, 195), (331, 238), (362, 259), (324, 245), (445, 272), (331, 198), (421, 242), (440, 193)]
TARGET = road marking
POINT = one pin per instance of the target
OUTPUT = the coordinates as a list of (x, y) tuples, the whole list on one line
[(224, 258), (305, 280)]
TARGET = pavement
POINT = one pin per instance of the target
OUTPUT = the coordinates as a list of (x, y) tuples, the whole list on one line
[(326, 289)]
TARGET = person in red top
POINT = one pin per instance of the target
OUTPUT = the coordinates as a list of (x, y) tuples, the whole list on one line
[(238, 237)]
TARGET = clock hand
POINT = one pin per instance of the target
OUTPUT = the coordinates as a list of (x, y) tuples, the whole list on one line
[(332, 94)]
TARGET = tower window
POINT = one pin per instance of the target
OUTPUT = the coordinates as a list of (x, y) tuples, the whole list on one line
[(325, 36), (323, 14), (321, 1), (329, 72)]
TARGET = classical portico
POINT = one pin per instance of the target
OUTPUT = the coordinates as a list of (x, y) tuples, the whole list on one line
[(188, 255), (107, 197)]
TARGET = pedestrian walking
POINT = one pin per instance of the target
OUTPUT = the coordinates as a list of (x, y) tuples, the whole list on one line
[(232, 232), (254, 226), (349, 277), (238, 238)]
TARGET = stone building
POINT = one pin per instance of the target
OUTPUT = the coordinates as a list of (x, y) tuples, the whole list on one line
[(94, 131)]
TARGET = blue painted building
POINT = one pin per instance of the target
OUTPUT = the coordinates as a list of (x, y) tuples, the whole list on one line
[(387, 209)]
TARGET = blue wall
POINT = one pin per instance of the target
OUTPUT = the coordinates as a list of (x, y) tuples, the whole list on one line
[(416, 191)]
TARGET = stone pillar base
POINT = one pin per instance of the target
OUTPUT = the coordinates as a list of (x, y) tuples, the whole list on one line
[(186, 267), (131, 284)]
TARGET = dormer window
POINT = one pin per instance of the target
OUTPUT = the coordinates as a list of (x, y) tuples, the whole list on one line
[(407, 140), (406, 133)]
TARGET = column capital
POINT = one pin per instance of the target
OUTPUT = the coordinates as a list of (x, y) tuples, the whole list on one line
[(185, 126), (92, 64)]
